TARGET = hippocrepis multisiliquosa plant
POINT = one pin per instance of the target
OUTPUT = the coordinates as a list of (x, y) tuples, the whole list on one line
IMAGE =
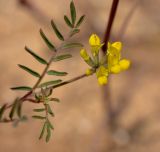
[(41, 92)]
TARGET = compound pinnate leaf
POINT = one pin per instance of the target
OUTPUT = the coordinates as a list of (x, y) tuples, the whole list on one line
[(56, 73), (29, 70), (38, 58), (22, 88), (57, 32), (73, 12), (62, 57), (47, 41)]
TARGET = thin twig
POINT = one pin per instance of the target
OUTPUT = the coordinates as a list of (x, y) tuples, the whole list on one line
[(106, 89), (69, 81), (110, 24)]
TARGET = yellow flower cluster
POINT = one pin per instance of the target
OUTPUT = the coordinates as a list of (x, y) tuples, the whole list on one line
[(111, 62)]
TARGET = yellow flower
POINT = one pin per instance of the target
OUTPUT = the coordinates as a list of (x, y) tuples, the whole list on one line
[(115, 64), (112, 63), (89, 72), (102, 74), (95, 44), (116, 69), (94, 40), (124, 64), (84, 54), (116, 45), (102, 80)]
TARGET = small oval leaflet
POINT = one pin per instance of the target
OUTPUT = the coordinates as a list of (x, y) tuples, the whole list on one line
[(38, 58), (62, 57), (56, 73), (68, 22), (72, 45), (81, 19), (22, 88), (29, 70), (47, 41), (49, 83), (73, 12), (57, 32)]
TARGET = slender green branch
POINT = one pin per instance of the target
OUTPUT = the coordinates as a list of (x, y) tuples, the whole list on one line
[(69, 81)]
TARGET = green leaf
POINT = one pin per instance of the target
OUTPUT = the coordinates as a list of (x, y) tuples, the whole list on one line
[(14, 108), (38, 117), (55, 99), (75, 31), (68, 22), (45, 84), (2, 109), (39, 110), (50, 111), (62, 57), (81, 19), (73, 12), (57, 32), (38, 58), (19, 109), (57, 73), (50, 125), (22, 88), (48, 133), (43, 130), (72, 45), (47, 41), (29, 70)]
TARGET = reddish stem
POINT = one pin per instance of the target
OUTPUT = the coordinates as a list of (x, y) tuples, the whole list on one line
[(110, 24)]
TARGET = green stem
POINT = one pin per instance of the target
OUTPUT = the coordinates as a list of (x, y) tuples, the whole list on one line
[(69, 81), (23, 98)]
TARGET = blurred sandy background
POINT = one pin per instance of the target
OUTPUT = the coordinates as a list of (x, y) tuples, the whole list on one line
[(80, 121)]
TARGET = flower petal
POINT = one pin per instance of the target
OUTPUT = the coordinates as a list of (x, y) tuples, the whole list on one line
[(117, 45), (124, 64), (94, 40), (116, 69), (102, 80)]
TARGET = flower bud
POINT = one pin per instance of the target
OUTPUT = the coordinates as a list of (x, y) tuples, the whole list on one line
[(84, 54), (89, 72), (124, 64), (94, 40), (102, 80), (116, 69)]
